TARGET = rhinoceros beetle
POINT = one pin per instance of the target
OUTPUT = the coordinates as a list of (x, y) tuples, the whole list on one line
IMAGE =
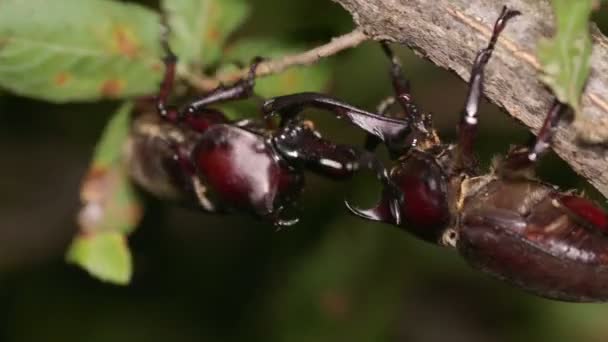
[(505, 223), (197, 156)]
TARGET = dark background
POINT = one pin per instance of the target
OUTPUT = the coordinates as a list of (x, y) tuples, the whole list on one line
[(208, 278)]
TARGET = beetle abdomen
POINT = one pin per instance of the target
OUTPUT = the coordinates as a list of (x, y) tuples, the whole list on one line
[(519, 231)]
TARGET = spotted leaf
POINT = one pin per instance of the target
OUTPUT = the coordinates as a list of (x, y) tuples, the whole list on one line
[(110, 208), (199, 28), (64, 50)]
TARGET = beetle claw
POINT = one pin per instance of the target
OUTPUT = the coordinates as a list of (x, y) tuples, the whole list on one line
[(395, 206), (284, 223)]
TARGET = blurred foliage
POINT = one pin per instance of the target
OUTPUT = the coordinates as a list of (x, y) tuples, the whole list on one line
[(566, 56), (110, 208), (227, 278), (338, 283), (105, 255)]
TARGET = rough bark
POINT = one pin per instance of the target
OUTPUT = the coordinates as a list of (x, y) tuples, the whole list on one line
[(450, 32)]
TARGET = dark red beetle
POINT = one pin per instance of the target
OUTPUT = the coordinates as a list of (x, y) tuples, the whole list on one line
[(505, 223), (197, 156)]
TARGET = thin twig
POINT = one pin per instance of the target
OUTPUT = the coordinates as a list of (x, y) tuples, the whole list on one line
[(278, 65)]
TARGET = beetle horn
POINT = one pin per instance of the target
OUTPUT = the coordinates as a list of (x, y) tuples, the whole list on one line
[(386, 211), (288, 106)]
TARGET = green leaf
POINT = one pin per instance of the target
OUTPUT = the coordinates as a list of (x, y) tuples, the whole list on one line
[(109, 148), (65, 50), (110, 202), (565, 57), (105, 256), (297, 79), (110, 207), (199, 28)]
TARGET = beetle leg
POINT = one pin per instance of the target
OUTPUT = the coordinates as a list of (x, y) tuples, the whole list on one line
[(401, 84), (166, 85), (240, 90), (279, 222), (184, 173), (385, 105), (389, 130), (276, 216), (170, 113), (284, 223), (469, 119), (525, 157), (302, 146)]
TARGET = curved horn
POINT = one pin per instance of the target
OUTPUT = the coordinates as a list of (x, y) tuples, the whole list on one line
[(387, 211), (387, 129)]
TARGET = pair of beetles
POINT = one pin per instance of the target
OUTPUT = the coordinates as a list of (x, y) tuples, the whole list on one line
[(505, 222)]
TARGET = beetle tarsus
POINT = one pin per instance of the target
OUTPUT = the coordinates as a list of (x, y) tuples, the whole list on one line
[(401, 84), (240, 90), (524, 158), (469, 116)]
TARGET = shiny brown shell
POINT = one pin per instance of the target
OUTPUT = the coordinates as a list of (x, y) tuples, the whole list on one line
[(521, 232)]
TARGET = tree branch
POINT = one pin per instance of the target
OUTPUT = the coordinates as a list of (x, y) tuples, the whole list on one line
[(450, 32), (278, 65)]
